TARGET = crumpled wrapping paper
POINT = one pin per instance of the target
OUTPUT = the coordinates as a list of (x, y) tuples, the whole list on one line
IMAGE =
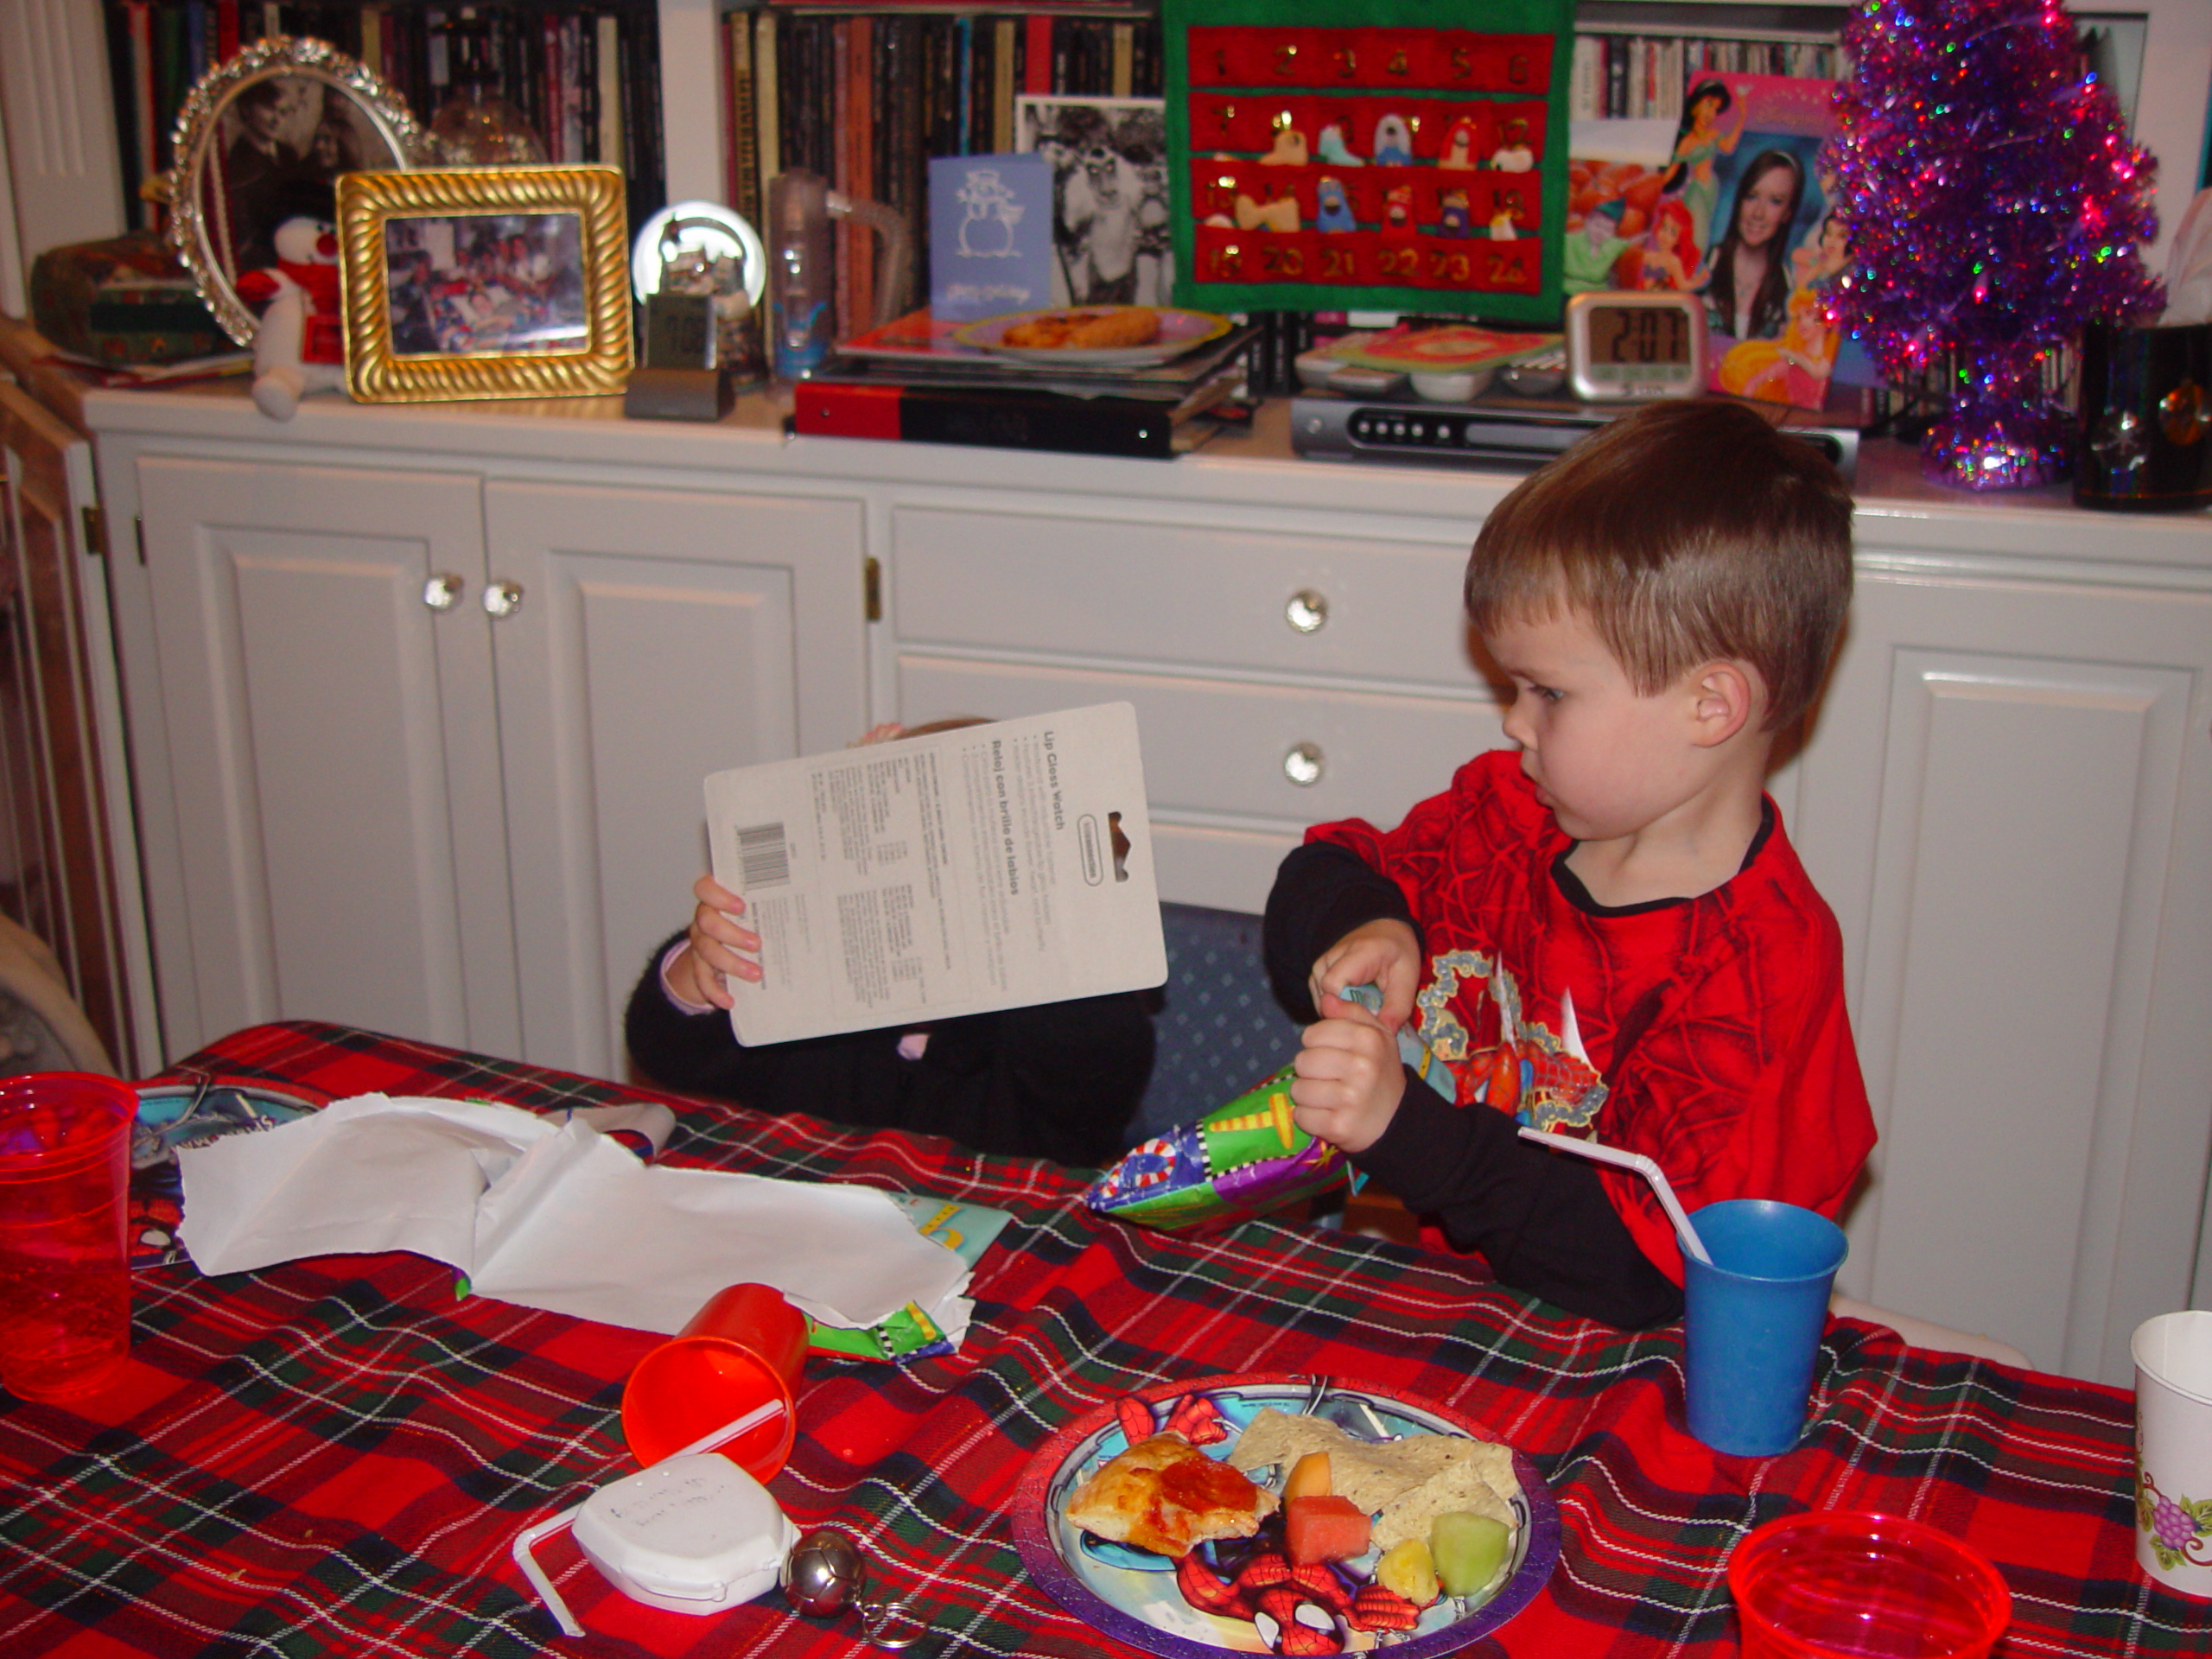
[(554, 1215)]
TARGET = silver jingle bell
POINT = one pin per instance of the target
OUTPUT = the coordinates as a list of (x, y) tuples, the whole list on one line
[(824, 1573)]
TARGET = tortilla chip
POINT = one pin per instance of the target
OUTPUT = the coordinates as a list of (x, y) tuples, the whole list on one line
[(1404, 1484)]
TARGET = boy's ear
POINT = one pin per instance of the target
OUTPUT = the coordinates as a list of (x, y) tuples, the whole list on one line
[(1725, 695)]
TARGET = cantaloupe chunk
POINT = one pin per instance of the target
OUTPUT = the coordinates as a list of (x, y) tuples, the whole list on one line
[(1309, 1476), (1322, 1527)]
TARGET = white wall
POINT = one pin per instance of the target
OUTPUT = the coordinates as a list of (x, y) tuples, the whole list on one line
[(66, 181)]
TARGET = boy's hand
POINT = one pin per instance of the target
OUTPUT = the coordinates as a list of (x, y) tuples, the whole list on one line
[(1350, 1081), (716, 938), (1384, 953)]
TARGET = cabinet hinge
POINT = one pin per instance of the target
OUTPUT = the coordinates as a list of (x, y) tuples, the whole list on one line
[(871, 584), (138, 529), (95, 523)]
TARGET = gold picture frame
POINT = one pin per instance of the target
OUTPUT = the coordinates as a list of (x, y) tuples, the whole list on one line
[(283, 110), (484, 282)]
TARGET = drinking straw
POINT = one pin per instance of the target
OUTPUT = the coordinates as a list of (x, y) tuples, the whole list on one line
[(1693, 1245)]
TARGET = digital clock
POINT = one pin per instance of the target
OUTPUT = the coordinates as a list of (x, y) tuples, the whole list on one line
[(1634, 347)]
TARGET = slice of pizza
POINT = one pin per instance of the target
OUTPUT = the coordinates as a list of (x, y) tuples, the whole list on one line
[(1165, 1495)]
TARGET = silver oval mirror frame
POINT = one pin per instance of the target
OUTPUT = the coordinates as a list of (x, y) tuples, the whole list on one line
[(357, 124)]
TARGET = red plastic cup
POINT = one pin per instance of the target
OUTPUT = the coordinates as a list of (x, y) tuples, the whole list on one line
[(65, 1282), (743, 1349), (1835, 1583)]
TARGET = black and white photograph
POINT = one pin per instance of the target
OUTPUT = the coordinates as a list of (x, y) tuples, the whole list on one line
[(262, 138), (271, 132), (1109, 196), (462, 284)]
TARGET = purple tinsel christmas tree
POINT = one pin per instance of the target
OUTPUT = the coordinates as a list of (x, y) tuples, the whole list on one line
[(1996, 205)]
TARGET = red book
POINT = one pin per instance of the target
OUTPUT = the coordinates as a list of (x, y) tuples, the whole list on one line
[(860, 246), (556, 70), (1037, 57), (227, 30), (139, 22), (736, 32), (840, 169)]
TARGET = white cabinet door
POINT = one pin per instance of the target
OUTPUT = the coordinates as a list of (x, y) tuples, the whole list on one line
[(661, 635), (2007, 800), (333, 751)]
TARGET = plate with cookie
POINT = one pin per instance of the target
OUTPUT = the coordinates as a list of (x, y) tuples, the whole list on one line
[(1276, 1514), (1109, 336)]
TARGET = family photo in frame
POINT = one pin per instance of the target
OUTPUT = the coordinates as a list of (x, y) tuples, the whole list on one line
[(506, 281), (485, 282)]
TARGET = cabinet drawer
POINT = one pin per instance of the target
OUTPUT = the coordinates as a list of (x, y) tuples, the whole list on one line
[(1217, 598), (1214, 750)]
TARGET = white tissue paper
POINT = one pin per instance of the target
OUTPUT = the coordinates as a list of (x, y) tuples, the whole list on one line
[(2189, 266), (555, 1215)]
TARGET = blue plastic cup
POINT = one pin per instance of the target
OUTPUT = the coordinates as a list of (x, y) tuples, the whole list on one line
[(1754, 1318)]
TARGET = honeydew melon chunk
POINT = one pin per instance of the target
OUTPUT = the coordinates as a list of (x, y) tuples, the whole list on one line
[(1469, 1549)]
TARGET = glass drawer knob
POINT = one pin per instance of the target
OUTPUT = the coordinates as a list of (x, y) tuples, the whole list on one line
[(503, 598), (442, 593), (1306, 611), (1303, 765)]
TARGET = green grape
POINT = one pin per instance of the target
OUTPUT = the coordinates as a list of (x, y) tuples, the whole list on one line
[(1469, 1550)]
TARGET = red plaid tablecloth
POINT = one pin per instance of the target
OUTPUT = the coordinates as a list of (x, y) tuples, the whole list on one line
[(331, 1457)]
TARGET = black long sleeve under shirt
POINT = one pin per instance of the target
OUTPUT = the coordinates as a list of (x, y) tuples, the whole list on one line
[(1541, 1218)]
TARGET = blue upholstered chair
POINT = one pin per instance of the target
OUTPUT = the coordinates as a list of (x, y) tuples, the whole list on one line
[(1219, 1028)]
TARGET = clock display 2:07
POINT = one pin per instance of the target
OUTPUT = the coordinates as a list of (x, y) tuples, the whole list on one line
[(1639, 335)]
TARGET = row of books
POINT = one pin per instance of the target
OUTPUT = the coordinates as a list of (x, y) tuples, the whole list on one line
[(586, 77), (864, 99), (1641, 76)]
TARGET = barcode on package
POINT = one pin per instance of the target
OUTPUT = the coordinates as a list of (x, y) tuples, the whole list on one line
[(763, 859)]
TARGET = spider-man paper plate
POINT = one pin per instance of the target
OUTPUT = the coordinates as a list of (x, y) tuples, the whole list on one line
[(1134, 1596)]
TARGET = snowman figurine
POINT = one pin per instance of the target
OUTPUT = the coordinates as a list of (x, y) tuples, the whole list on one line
[(300, 344)]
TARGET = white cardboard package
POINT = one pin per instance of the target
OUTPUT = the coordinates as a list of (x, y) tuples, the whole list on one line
[(991, 867)]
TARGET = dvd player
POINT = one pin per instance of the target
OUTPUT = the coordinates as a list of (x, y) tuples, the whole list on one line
[(1518, 435)]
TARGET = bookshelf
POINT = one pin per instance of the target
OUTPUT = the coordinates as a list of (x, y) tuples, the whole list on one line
[(585, 73), (2156, 55), (61, 167)]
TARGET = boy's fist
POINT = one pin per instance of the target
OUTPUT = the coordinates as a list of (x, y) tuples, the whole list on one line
[(1349, 1080), (1385, 954)]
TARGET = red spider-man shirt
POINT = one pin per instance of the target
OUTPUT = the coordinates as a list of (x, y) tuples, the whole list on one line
[(1708, 1034)]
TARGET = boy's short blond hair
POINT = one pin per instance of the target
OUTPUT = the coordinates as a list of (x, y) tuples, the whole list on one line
[(1685, 531)]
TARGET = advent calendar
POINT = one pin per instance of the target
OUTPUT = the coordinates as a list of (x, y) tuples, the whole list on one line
[(1399, 154)]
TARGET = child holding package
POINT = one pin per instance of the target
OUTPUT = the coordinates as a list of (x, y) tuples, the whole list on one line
[(1605, 932), (1058, 1081)]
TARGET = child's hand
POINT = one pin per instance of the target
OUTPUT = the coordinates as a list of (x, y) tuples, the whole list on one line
[(1349, 1080), (1385, 954), (716, 938)]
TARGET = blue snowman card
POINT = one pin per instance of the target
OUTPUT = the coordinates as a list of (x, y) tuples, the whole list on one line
[(990, 235)]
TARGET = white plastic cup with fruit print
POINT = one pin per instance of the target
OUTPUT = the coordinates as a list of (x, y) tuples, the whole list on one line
[(2173, 1450)]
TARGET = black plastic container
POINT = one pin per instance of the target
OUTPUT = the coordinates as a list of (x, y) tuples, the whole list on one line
[(2147, 419)]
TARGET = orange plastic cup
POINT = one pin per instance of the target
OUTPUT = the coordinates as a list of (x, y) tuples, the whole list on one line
[(743, 1349), (65, 1282), (1836, 1583)]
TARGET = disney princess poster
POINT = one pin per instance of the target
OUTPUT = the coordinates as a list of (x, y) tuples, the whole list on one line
[(1730, 206)]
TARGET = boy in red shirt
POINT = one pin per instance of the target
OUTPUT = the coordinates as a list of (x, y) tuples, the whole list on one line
[(1605, 934)]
